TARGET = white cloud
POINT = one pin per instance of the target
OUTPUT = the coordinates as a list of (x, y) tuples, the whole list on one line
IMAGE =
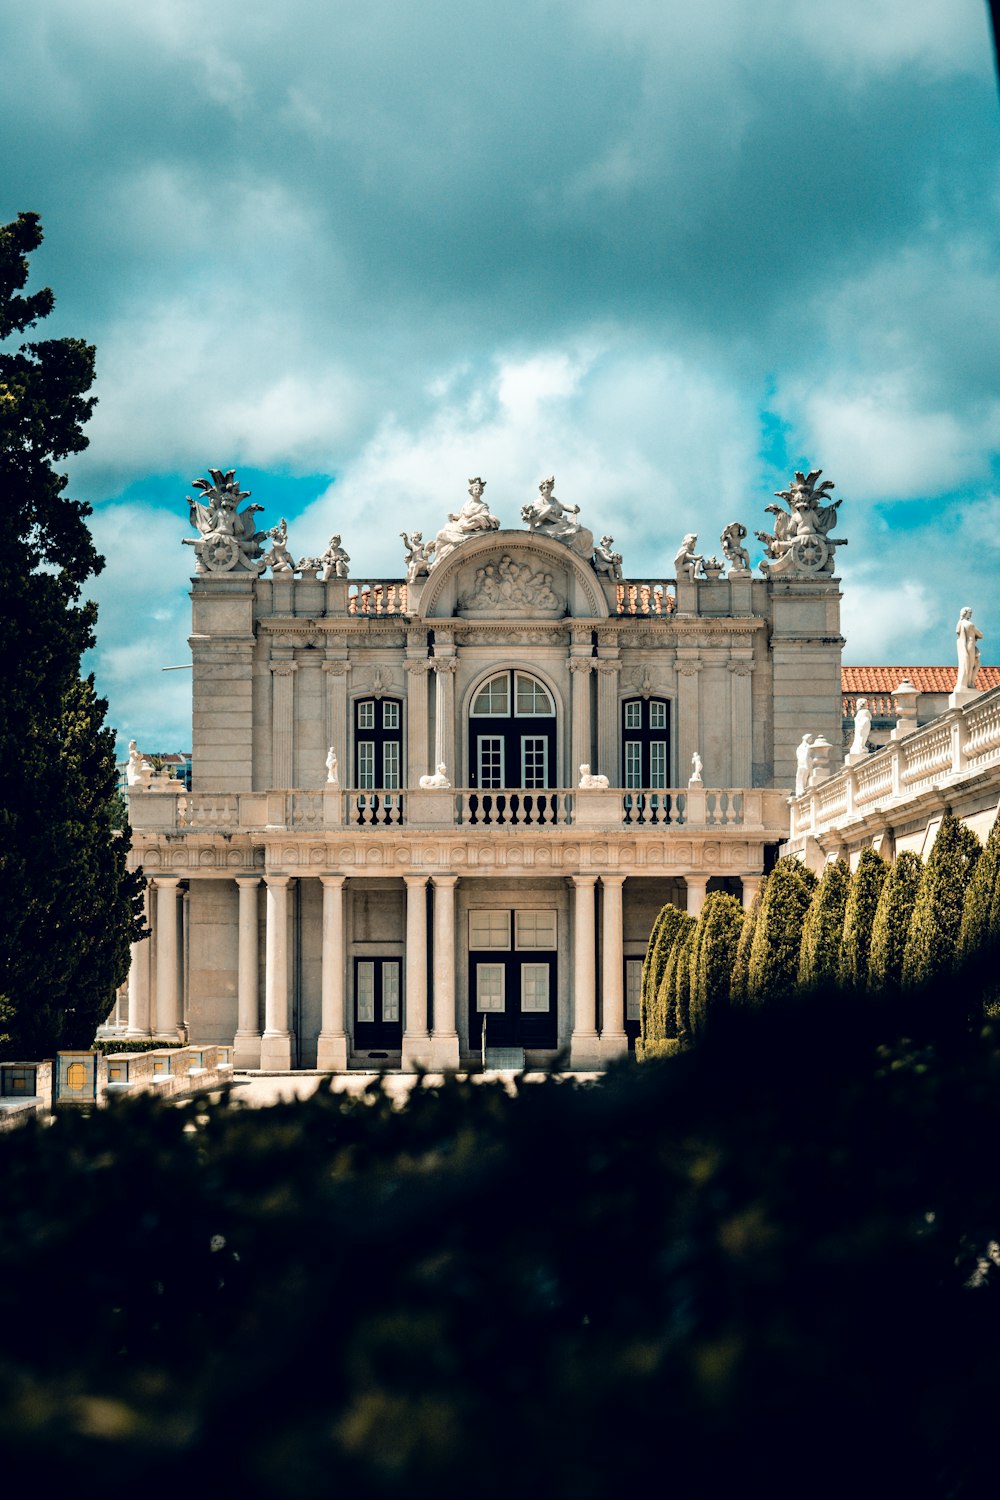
[(885, 619)]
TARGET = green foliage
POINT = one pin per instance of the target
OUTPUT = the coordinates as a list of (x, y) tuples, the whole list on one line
[(859, 917), (932, 940), (980, 930), (777, 939), (67, 910), (342, 1297), (653, 1025), (110, 1044), (684, 949), (892, 923), (739, 989), (823, 930), (721, 925), (666, 998)]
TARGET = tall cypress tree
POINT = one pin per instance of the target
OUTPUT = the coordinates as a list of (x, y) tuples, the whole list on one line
[(823, 930), (721, 925), (739, 989), (653, 1024), (892, 923), (666, 1000), (862, 904), (777, 939), (68, 909), (980, 930), (932, 940)]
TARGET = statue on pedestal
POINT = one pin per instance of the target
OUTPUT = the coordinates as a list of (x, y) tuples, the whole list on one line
[(967, 637), (473, 517), (862, 728), (438, 782), (335, 560), (548, 516), (733, 550), (606, 562), (419, 555), (228, 538), (332, 773), (687, 561), (696, 769), (803, 764), (800, 543), (593, 783)]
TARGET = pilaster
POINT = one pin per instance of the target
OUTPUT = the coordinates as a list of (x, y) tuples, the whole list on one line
[(283, 724), (741, 753), (444, 713), (585, 1050), (167, 967), (276, 1044), (444, 1022), (688, 714), (246, 1047), (417, 724), (138, 980), (614, 1041), (416, 1050), (336, 673), (332, 1046), (580, 668)]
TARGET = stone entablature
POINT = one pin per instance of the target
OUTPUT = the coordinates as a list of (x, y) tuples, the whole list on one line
[(890, 797)]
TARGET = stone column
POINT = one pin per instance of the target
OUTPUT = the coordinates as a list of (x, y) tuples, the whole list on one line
[(336, 717), (282, 725), (751, 885), (332, 1048), (688, 716), (740, 687), (138, 981), (613, 1039), (608, 732), (584, 1043), (416, 1040), (580, 668), (696, 888), (444, 716), (417, 673), (276, 1045), (444, 1022), (246, 1047), (167, 975)]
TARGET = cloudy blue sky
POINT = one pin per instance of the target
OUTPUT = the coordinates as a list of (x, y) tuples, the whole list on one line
[(667, 252)]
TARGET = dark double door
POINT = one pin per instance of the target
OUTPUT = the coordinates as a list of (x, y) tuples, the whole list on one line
[(378, 1004), (512, 980)]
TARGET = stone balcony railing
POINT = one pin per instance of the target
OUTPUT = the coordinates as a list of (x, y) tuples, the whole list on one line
[(307, 811), (380, 598), (947, 751)]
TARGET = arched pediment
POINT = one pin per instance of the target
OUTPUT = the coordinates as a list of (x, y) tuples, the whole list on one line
[(512, 575)]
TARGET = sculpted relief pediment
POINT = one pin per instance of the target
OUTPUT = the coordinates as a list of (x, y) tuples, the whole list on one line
[(508, 575), (512, 586)]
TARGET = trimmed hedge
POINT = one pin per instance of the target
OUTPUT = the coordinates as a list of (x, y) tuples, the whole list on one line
[(714, 958), (686, 941), (859, 918), (105, 1045), (823, 929), (932, 940), (980, 930), (739, 989), (777, 939), (653, 1017), (892, 923), (666, 1000)]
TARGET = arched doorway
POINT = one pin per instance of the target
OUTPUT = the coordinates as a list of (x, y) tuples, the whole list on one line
[(512, 733)]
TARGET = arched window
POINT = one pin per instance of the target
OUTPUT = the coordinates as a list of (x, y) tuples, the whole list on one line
[(646, 743), (378, 744), (512, 733)]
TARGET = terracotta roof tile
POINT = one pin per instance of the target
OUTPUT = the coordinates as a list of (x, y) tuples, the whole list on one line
[(924, 679)]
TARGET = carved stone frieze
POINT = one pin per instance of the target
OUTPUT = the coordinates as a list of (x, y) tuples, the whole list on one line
[(503, 635), (508, 588)]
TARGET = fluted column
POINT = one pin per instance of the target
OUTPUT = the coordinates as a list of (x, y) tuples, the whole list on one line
[(332, 1047), (740, 687), (417, 723), (138, 981), (282, 724), (276, 1045), (416, 1040), (696, 888), (444, 714), (580, 668), (688, 716), (167, 972), (584, 1044), (336, 673), (444, 1022), (608, 728), (751, 885), (246, 1047), (613, 1038)]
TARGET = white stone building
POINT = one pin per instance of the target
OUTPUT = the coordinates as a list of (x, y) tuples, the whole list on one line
[(325, 897)]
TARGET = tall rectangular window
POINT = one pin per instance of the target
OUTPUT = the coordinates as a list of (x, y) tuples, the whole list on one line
[(633, 763), (390, 764), (366, 714), (366, 765), (534, 761), (489, 987), (491, 768), (633, 715), (633, 989), (657, 714), (366, 991), (390, 991), (534, 987), (658, 763), (390, 714)]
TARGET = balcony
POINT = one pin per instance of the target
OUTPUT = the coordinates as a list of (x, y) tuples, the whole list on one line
[(419, 809)]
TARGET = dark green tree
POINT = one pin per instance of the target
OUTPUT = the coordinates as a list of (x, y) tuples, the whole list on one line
[(739, 989), (720, 924), (653, 1024), (686, 943), (932, 940), (777, 939), (666, 1000), (68, 909), (862, 904), (980, 930), (823, 931), (892, 923)]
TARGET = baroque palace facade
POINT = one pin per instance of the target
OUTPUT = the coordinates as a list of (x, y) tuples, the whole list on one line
[(433, 814)]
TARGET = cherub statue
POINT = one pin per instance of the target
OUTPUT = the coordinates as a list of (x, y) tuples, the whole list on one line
[(279, 559), (139, 769), (734, 552), (687, 561), (607, 562), (335, 560), (419, 555)]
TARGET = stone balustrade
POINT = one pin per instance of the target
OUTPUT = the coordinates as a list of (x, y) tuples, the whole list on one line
[(460, 807), (379, 596), (929, 760), (646, 596)]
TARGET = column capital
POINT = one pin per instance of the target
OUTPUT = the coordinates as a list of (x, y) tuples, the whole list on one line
[(277, 881), (581, 663), (444, 663), (418, 667), (688, 668), (283, 668), (740, 668), (164, 882), (582, 881), (443, 881), (607, 666), (613, 880), (336, 668), (333, 882), (248, 881), (415, 880)]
